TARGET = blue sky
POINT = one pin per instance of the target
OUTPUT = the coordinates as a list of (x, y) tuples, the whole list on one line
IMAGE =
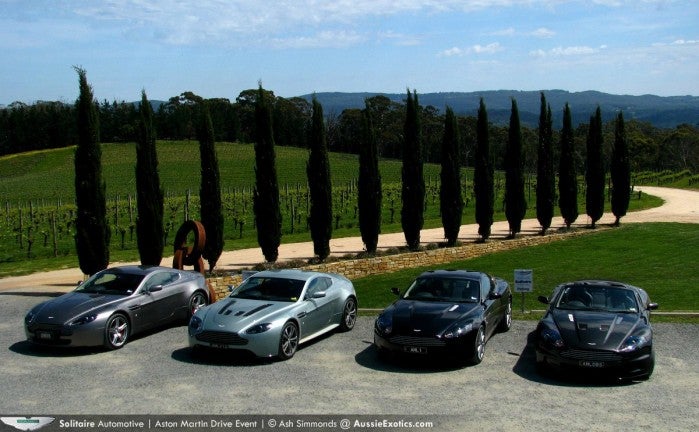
[(217, 48)]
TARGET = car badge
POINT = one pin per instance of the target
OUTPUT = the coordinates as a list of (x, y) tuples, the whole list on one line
[(417, 330), (27, 423), (592, 343), (50, 317)]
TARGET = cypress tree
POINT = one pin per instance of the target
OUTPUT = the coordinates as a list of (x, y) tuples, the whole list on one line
[(149, 222), (369, 195), (620, 171), (515, 202), (451, 202), (567, 176), (268, 216), (594, 173), (93, 233), (319, 183), (413, 182), (545, 180), (210, 188), (483, 175)]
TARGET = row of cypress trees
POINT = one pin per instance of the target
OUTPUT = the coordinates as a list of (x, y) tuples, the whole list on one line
[(93, 234)]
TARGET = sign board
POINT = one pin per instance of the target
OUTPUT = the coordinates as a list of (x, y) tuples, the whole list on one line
[(524, 280)]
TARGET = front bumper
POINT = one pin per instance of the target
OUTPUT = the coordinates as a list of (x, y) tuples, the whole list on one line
[(639, 364), (412, 345), (261, 345), (91, 334)]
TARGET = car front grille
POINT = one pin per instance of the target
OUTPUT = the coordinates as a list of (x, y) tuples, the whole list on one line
[(417, 341), (223, 338), (577, 354)]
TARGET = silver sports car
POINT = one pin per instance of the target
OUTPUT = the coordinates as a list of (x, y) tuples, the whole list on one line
[(115, 304), (274, 311)]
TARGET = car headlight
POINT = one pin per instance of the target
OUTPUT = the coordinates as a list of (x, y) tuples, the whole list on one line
[(384, 324), (195, 325), (29, 317), (636, 341), (84, 319), (458, 330), (552, 338), (259, 328)]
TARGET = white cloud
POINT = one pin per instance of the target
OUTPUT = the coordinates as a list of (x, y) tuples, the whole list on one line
[(475, 49), (543, 32), (567, 51)]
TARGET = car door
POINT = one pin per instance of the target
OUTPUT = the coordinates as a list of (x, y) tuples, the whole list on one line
[(490, 304), (319, 298), (161, 298)]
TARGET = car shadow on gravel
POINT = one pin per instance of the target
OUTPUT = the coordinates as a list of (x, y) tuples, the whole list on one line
[(370, 358), (526, 368), (29, 349)]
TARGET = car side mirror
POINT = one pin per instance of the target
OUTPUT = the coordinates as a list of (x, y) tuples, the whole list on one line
[(543, 299), (155, 288), (494, 295), (318, 294), (395, 291), (652, 306), (231, 288)]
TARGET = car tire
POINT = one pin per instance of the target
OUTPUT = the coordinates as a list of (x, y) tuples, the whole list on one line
[(288, 341), (196, 301), (117, 331), (349, 315), (506, 322), (478, 347)]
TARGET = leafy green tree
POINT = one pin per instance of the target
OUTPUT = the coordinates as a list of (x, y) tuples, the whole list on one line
[(483, 175), (567, 175), (620, 171), (545, 179), (210, 188), (515, 202), (319, 184), (149, 223), (92, 234), (268, 217), (369, 195), (413, 182), (451, 202), (594, 173)]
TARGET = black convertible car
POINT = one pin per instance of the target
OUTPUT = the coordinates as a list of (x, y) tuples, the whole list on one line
[(450, 312), (597, 326)]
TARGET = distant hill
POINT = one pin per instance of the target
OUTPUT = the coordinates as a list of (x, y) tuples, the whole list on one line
[(661, 111)]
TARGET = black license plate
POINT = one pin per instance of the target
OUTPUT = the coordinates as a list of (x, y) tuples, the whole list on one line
[(591, 364), (415, 350)]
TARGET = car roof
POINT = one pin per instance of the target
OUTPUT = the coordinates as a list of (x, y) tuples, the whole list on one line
[(599, 282), (297, 274), (446, 273), (138, 269)]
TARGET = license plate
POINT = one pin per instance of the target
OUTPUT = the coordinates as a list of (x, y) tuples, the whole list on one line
[(415, 350), (592, 364), (44, 335), (220, 346)]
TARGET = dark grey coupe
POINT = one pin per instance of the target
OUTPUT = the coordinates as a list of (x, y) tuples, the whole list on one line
[(115, 304)]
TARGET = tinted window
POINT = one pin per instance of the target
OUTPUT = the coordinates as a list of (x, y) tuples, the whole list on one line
[(112, 282), (272, 289)]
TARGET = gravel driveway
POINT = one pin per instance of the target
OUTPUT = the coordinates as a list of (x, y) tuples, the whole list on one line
[(341, 374)]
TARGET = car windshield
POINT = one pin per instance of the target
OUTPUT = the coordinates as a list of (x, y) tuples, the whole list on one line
[(598, 298), (271, 289), (444, 289), (112, 282)]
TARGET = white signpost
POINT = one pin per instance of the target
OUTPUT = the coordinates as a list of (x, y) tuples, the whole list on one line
[(524, 282)]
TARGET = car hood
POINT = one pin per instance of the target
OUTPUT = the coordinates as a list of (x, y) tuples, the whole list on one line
[(427, 318), (69, 306), (235, 314), (595, 329)]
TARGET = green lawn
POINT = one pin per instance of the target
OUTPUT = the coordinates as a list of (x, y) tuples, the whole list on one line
[(655, 256)]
